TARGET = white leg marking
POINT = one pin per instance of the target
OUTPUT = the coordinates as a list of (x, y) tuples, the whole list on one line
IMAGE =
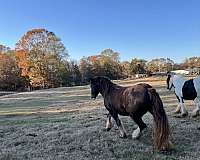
[(178, 109), (136, 133), (196, 111), (108, 123), (122, 131)]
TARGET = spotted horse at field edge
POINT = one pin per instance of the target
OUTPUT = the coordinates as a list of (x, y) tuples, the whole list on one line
[(133, 101), (185, 90)]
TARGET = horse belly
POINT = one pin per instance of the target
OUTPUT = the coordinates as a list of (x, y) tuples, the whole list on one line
[(122, 112), (189, 91)]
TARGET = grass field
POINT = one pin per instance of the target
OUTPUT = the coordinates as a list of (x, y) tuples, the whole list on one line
[(64, 123)]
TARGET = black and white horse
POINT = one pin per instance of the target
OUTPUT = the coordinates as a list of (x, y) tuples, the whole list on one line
[(185, 90)]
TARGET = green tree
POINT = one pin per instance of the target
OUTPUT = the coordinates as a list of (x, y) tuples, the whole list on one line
[(85, 68), (75, 73)]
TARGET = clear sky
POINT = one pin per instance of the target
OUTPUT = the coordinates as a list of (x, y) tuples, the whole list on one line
[(135, 28)]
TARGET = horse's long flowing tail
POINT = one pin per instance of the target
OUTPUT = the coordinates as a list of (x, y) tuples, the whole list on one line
[(161, 129)]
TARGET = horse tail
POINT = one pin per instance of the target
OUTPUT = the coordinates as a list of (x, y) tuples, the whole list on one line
[(161, 131)]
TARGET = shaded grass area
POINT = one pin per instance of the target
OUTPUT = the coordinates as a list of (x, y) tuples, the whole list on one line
[(63, 123)]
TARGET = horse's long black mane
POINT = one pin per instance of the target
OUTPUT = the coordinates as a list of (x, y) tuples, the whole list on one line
[(107, 85)]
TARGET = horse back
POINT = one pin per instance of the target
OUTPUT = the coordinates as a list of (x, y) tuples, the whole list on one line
[(136, 99)]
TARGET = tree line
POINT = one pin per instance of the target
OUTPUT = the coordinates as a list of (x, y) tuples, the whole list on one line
[(40, 60)]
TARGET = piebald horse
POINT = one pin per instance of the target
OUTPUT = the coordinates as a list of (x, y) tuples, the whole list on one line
[(185, 90), (133, 101)]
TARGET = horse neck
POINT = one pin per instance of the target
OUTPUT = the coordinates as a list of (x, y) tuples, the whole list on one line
[(106, 88)]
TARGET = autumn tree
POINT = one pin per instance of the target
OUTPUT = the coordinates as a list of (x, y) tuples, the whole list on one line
[(192, 62), (137, 66), (85, 68), (111, 63), (39, 55), (4, 49), (160, 65), (126, 69), (10, 78), (104, 64)]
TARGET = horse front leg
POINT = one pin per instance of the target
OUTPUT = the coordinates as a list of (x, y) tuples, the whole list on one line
[(119, 125), (108, 122), (178, 109), (196, 111), (182, 107)]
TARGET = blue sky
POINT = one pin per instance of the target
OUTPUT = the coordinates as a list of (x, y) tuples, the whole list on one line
[(135, 28)]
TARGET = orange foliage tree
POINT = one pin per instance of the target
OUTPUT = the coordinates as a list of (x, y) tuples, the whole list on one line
[(39, 55), (104, 64), (9, 72)]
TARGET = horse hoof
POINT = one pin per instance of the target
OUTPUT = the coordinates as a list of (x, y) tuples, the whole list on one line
[(176, 112), (108, 129), (184, 114), (136, 137), (181, 115), (195, 114), (123, 136)]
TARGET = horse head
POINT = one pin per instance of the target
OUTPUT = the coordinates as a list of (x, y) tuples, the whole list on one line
[(95, 87), (99, 85), (170, 80)]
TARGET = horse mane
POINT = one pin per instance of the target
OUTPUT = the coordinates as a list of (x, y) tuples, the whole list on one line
[(106, 81), (106, 84)]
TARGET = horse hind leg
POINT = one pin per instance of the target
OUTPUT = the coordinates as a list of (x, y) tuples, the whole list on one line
[(108, 122), (141, 126), (184, 112), (196, 111)]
